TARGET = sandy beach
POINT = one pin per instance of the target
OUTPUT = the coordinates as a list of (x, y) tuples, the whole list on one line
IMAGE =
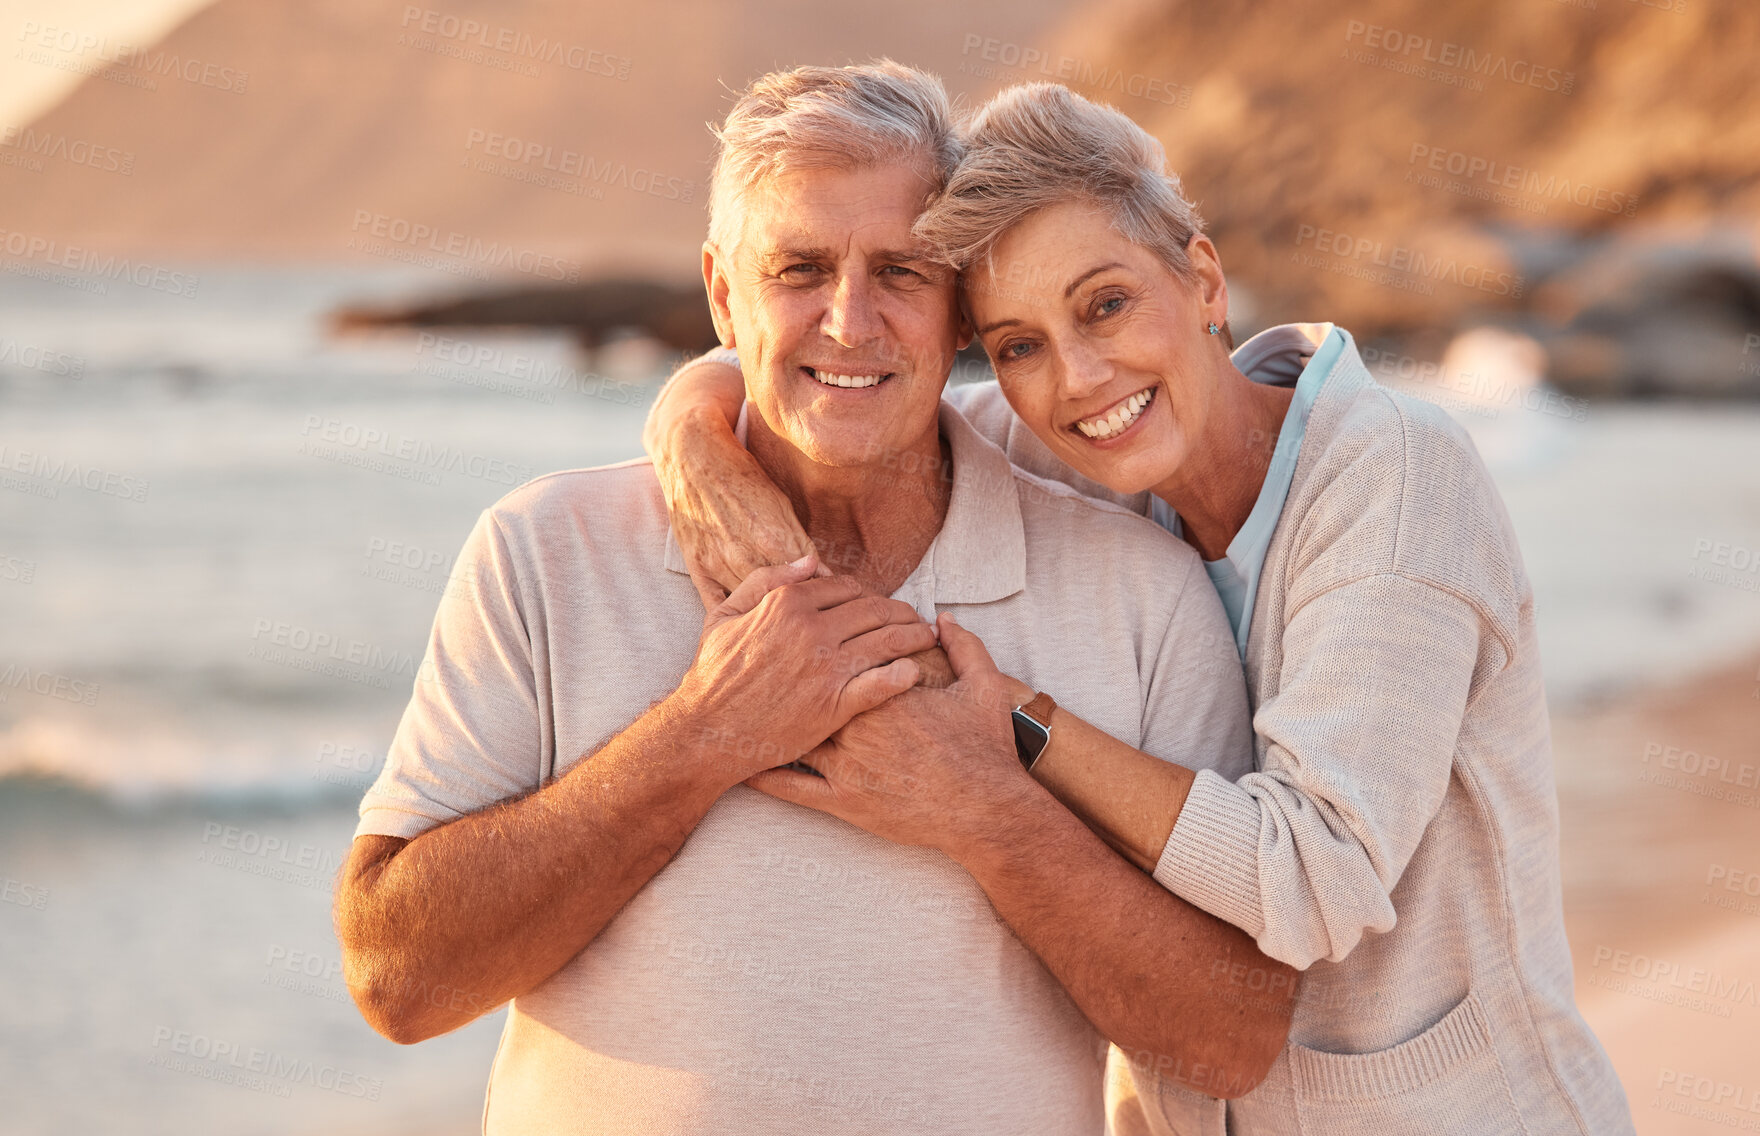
[(1661, 856)]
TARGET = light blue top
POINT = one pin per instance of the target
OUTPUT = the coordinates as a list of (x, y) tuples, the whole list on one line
[(1236, 575)]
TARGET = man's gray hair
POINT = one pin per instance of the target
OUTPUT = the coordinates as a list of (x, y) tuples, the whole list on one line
[(845, 117), (1036, 145)]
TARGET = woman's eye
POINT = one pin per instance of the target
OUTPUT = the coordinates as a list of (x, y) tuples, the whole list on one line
[(1016, 350), (1109, 305)]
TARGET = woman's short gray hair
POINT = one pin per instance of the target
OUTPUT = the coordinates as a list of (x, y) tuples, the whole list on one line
[(846, 117), (1036, 145)]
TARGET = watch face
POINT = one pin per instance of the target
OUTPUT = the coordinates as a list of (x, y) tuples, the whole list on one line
[(1030, 738)]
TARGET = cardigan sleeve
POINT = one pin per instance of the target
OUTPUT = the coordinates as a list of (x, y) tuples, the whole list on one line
[(1359, 743)]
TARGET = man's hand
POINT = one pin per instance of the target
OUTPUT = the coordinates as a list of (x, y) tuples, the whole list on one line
[(787, 659), (927, 767)]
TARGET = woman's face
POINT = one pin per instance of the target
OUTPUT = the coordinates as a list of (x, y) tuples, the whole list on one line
[(1100, 348)]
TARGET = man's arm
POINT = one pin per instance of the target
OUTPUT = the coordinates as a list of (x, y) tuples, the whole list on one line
[(1181, 991), (441, 928)]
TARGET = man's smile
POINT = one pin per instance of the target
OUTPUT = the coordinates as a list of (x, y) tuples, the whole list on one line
[(846, 380)]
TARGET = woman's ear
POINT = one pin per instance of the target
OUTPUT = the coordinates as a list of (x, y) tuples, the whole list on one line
[(1212, 285), (715, 269)]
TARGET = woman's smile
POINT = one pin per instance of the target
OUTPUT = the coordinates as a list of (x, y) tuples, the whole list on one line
[(1118, 419)]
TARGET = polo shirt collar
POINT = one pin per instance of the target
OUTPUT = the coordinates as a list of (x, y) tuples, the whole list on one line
[(980, 554)]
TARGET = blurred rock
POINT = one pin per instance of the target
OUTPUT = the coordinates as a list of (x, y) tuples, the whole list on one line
[(593, 312), (1628, 318)]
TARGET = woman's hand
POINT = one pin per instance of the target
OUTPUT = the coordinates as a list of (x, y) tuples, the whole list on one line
[(928, 767), (787, 659), (728, 516)]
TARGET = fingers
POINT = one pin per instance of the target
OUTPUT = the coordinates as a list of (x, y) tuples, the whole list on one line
[(884, 644), (965, 651), (863, 614), (934, 671), (824, 592), (712, 594), (872, 687), (760, 583), (794, 786)]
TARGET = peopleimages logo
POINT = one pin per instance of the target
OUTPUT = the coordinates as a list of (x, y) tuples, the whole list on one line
[(1409, 262), (50, 473), (108, 266), (148, 61), (1473, 169), (572, 165), (460, 247), (76, 151), (517, 45), (57, 363), (420, 456), (230, 1060), (1405, 51)]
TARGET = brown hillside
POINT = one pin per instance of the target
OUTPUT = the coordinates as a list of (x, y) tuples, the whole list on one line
[(1607, 119), (351, 105)]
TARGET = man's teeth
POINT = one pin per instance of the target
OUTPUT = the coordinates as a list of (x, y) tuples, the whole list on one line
[(1119, 419), (832, 380)]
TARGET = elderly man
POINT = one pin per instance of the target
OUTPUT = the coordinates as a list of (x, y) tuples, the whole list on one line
[(583, 811)]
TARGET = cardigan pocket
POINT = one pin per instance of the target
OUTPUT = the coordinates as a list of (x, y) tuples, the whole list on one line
[(1447, 1079)]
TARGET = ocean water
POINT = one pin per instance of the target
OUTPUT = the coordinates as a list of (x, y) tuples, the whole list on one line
[(222, 538), (217, 570)]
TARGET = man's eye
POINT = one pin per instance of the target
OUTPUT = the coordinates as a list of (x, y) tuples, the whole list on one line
[(1017, 349), (899, 271), (800, 270)]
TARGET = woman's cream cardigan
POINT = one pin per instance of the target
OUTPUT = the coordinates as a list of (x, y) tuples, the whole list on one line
[(1398, 840)]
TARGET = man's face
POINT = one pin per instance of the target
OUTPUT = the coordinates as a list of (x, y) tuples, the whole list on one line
[(845, 329)]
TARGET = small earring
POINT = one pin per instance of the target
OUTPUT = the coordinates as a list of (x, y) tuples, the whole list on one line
[(1213, 329)]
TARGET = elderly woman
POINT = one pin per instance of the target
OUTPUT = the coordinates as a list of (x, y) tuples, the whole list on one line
[(1398, 839)]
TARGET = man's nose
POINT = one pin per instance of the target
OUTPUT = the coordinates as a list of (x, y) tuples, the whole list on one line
[(852, 317)]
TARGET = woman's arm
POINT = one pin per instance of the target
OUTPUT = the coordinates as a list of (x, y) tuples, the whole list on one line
[(1359, 745), (1303, 854), (727, 514), (1128, 798)]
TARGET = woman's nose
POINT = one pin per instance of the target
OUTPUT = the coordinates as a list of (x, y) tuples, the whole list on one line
[(1084, 370)]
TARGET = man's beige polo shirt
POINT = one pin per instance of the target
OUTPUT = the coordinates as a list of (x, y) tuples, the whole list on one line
[(788, 972)]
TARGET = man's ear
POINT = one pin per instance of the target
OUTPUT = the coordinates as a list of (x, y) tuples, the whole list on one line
[(715, 269)]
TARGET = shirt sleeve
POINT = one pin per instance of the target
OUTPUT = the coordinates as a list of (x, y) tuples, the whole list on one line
[(471, 734), (1359, 743), (1195, 710)]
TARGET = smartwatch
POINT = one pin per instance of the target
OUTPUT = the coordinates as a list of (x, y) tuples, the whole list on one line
[(1032, 728)]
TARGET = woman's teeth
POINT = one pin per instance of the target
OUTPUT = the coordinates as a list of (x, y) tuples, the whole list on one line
[(1119, 418), (832, 380)]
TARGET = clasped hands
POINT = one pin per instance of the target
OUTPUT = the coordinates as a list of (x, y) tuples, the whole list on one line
[(793, 667)]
